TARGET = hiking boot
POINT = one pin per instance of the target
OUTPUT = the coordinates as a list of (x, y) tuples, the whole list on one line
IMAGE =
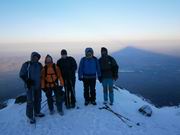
[(39, 114), (73, 106), (52, 112), (94, 103), (61, 113), (32, 120), (86, 103), (105, 102), (68, 107)]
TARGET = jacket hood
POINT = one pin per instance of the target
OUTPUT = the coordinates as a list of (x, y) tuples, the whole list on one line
[(48, 56), (89, 50), (33, 54), (104, 51)]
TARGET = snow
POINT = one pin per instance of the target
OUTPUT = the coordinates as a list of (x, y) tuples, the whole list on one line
[(91, 120)]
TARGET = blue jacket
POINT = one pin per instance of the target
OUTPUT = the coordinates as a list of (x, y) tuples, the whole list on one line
[(32, 70), (89, 68)]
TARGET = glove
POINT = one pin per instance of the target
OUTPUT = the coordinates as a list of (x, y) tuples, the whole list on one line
[(43, 89), (29, 83), (115, 78), (80, 79), (23, 78), (100, 79), (60, 88)]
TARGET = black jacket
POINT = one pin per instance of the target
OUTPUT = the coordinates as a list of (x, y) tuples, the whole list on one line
[(68, 67), (109, 67)]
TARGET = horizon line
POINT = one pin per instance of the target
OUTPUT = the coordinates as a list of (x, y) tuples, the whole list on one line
[(88, 41)]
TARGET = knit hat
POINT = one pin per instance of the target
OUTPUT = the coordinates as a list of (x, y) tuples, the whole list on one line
[(48, 56), (63, 52), (103, 49)]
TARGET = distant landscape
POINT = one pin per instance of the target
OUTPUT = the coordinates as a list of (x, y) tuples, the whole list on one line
[(152, 76)]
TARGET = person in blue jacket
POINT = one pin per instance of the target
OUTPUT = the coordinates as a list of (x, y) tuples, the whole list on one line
[(30, 73), (89, 70)]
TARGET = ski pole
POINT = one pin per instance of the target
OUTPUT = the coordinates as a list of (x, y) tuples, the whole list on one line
[(67, 95)]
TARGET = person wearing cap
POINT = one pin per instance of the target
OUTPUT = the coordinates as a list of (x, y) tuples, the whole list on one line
[(30, 73), (50, 77), (109, 73), (88, 71), (68, 67)]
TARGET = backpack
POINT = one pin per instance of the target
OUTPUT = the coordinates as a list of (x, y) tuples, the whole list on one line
[(114, 67), (54, 68)]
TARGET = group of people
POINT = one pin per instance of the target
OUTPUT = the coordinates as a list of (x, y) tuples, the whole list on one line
[(52, 77)]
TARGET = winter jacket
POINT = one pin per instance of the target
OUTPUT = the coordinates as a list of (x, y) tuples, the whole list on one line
[(68, 67), (50, 77), (89, 67), (32, 70), (109, 67)]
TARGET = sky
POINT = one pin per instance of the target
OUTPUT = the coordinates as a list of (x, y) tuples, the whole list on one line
[(106, 21)]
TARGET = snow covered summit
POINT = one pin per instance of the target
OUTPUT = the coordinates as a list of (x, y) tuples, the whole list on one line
[(91, 120)]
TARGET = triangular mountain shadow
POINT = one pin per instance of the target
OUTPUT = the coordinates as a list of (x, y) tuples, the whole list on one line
[(139, 59)]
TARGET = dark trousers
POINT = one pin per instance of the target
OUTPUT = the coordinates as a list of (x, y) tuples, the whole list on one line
[(58, 97), (70, 96), (33, 102), (89, 89)]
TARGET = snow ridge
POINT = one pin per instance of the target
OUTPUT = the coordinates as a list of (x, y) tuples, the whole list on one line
[(91, 120)]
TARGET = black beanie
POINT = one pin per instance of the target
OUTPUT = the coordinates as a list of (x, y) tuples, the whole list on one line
[(63, 52), (104, 49)]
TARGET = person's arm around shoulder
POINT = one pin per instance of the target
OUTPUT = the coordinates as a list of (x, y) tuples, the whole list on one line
[(80, 70), (115, 68), (73, 63), (43, 85), (58, 63), (98, 70), (59, 74)]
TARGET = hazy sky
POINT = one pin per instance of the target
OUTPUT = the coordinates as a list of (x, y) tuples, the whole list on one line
[(32, 21), (56, 20)]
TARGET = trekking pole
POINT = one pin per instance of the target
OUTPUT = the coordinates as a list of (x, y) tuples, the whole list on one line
[(44, 104), (30, 88), (43, 101), (117, 113), (67, 95), (123, 118), (33, 106), (73, 92), (108, 109), (73, 89)]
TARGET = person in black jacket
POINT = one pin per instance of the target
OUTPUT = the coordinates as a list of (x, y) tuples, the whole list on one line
[(68, 67), (109, 73)]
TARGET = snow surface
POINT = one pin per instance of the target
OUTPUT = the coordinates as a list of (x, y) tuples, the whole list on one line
[(91, 120)]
